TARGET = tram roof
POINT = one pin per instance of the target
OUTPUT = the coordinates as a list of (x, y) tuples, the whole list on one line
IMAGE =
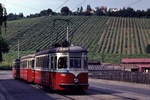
[(28, 56), (70, 49)]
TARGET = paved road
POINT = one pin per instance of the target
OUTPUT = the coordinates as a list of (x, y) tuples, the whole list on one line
[(11, 89)]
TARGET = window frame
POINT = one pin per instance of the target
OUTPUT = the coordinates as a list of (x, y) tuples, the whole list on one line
[(63, 63), (71, 57)]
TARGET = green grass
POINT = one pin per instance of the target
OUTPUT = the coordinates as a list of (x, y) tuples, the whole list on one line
[(9, 57), (103, 37)]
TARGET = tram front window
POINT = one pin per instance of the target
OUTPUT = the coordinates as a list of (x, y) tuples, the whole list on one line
[(62, 62), (75, 62)]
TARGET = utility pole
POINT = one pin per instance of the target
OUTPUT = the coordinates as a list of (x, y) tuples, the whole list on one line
[(18, 49), (67, 30), (67, 34)]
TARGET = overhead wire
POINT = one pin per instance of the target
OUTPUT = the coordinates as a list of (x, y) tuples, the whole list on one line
[(79, 5), (83, 2), (135, 2), (61, 5)]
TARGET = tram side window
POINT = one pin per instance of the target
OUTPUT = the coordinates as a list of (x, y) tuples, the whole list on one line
[(21, 65), (75, 62), (62, 62), (85, 63), (29, 64), (38, 62), (55, 61), (52, 61), (41, 61), (32, 64), (24, 64), (45, 61)]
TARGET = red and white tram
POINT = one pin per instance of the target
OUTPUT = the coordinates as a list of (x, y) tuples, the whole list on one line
[(60, 68)]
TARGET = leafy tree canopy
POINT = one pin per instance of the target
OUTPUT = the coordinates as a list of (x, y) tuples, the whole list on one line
[(148, 48), (65, 11), (3, 44)]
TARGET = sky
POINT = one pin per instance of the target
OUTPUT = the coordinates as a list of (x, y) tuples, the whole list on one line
[(35, 6)]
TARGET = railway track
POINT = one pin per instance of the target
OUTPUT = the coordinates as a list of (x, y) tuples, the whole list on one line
[(53, 93), (4, 94)]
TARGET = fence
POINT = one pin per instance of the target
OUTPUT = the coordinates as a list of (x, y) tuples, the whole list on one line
[(119, 75)]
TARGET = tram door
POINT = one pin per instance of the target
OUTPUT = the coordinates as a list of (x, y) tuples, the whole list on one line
[(53, 63)]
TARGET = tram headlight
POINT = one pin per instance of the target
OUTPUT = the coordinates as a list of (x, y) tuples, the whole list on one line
[(76, 80), (63, 75)]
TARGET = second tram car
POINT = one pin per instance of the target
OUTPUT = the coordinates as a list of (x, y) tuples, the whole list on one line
[(27, 68)]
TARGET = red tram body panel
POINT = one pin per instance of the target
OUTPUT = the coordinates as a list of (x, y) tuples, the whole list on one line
[(67, 81), (25, 74), (30, 75), (45, 78), (21, 73), (38, 77)]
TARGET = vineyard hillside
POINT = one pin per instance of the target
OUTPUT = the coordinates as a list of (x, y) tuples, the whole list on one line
[(106, 38)]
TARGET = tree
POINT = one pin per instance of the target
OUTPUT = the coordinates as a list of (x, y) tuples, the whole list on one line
[(21, 15), (81, 9), (99, 12), (3, 44), (47, 12), (65, 11), (148, 48), (3, 17), (148, 13), (88, 10)]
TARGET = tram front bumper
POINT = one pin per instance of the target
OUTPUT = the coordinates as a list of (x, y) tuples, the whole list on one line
[(73, 85)]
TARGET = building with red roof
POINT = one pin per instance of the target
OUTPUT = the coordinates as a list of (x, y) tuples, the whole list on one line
[(142, 64)]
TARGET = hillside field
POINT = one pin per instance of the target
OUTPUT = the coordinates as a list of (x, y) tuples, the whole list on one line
[(108, 39)]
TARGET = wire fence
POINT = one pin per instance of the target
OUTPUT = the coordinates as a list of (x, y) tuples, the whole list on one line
[(119, 75)]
